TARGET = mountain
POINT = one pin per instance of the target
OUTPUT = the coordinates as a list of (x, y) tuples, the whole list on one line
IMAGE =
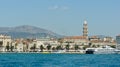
[(27, 31), (102, 36)]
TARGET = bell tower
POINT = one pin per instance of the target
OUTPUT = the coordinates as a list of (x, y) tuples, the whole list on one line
[(85, 29)]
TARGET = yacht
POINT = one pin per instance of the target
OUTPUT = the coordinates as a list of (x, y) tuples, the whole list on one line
[(101, 50), (117, 51)]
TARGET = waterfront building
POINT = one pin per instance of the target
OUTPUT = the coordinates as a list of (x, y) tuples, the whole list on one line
[(118, 41), (18, 45), (80, 40), (22, 45), (75, 40), (109, 39), (94, 38), (94, 41), (45, 41), (97, 42), (5, 41)]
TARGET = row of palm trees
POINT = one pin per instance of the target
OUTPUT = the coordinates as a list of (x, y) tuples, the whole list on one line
[(49, 47), (9, 47), (59, 47)]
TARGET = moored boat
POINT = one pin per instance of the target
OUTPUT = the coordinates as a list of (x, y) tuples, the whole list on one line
[(101, 50)]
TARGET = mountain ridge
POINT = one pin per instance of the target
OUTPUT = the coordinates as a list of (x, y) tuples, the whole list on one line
[(27, 31)]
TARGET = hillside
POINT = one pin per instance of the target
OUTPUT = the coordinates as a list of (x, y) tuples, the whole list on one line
[(27, 31)]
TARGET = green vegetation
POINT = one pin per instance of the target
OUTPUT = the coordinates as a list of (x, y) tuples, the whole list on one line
[(76, 47), (41, 48), (67, 47), (49, 47)]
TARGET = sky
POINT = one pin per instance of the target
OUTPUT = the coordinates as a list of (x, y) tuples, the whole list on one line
[(64, 17)]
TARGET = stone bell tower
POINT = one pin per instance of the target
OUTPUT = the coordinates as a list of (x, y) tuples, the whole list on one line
[(85, 29)]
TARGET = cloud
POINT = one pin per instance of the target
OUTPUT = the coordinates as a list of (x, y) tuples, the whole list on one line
[(56, 7), (64, 8), (53, 7)]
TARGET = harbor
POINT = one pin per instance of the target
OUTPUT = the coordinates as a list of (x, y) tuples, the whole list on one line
[(59, 33), (81, 44)]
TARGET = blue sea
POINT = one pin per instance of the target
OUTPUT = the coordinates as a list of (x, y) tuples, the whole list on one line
[(58, 60)]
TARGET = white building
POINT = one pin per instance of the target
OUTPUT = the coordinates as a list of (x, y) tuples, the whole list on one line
[(4, 41), (46, 41), (118, 41)]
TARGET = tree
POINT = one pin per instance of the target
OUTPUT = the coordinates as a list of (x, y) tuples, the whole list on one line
[(59, 47), (53, 48), (94, 46), (85, 46), (34, 47), (16, 45), (113, 46), (60, 40), (98, 45), (11, 47), (7, 46), (90, 44), (48, 47), (67, 47), (82, 44), (76, 47), (41, 48)]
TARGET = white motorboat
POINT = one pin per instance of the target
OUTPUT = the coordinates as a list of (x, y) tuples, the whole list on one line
[(117, 51), (101, 50)]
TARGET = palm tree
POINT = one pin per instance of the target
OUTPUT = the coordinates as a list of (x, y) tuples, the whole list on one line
[(11, 47), (53, 48), (90, 44), (59, 47), (16, 45), (67, 47), (76, 47), (34, 47), (48, 47), (7, 46), (41, 48), (94, 46)]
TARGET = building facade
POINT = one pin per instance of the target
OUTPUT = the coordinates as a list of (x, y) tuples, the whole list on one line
[(4, 41), (118, 41)]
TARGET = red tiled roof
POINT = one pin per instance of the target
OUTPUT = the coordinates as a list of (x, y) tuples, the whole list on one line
[(75, 37), (94, 37)]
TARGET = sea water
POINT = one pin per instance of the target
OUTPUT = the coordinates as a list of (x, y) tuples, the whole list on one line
[(58, 60)]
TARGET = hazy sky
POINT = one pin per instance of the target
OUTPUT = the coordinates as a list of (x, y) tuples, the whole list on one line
[(63, 16)]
